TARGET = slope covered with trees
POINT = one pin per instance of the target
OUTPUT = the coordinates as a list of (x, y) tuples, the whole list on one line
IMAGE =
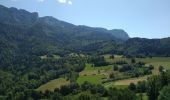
[(35, 50), (146, 47)]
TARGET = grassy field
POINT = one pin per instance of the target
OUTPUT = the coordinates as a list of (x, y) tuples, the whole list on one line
[(93, 74), (131, 80), (108, 85), (51, 85), (156, 65), (89, 67), (116, 58), (53, 56), (95, 79), (155, 61), (125, 82), (89, 70)]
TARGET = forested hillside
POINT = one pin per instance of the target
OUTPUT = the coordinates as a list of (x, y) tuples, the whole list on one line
[(35, 50), (141, 46)]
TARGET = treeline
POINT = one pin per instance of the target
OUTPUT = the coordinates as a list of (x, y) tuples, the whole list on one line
[(156, 87), (98, 61), (86, 91), (30, 74), (140, 47)]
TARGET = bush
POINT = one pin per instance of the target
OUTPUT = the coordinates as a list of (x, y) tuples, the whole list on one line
[(151, 67), (164, 93), (112, 57), (115, 68), (125, 68), (133, 60), (121, 62), (132, 87), (161, 68), (141, 87), (112, 76)]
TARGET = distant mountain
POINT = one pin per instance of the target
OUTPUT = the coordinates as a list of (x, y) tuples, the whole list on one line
[(15, 16), (22, 32), (119, 33), (20, 17), (47, 34)]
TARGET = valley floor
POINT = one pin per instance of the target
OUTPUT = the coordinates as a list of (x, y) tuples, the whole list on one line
[(96, 75)]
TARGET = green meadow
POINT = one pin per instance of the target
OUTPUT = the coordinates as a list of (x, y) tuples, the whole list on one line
[(96, 75), (94, 79), (51, 85)]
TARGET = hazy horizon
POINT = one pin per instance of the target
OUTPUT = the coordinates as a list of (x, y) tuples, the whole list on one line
[(144, 18)]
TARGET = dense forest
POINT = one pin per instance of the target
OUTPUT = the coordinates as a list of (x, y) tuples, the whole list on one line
[(35, 50)]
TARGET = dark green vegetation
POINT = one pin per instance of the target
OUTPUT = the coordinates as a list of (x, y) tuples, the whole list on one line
[(45, 58)]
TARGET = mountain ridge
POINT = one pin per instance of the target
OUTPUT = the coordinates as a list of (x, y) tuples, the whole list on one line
[(19, 16), (33, 35)]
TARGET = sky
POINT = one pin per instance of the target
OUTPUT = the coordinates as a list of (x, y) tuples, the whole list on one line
[(139, 18)]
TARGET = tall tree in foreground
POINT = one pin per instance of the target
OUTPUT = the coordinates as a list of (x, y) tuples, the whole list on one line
[(122, 94), (153, 87), (165, 93)]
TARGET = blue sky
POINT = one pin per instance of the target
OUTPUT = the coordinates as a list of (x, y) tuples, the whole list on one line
[(139, 18)]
